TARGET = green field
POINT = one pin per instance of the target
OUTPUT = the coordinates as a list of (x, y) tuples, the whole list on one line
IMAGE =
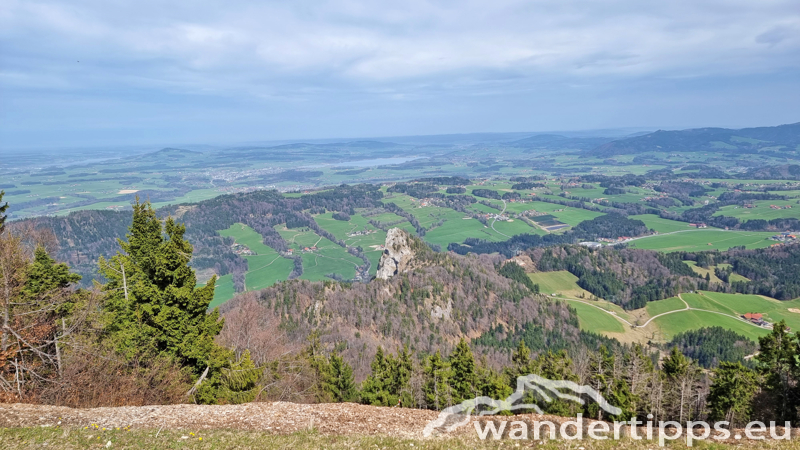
[(559, 282), (661, 225), (369, 242), (699, 240), (328, 257), (223, 291), (596, 321), (266, 267), (705, 272), (682, 321), (773, 310), (762, 210), (458, 229), (662, 306)]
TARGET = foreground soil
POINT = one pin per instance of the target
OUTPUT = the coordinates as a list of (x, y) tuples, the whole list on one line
[(275, 425)]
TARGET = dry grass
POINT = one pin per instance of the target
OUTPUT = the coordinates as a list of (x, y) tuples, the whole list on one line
[(91, 437)]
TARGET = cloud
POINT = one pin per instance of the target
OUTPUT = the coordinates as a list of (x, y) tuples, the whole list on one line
[(327, 50), (776, 35)]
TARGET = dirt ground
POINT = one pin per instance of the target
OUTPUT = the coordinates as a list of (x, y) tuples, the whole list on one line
[(277, 418)]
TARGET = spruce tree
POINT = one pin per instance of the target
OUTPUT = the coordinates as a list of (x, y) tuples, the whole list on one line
[(437, 385), (388, 382), (731, 395), (778, 363), (462, 364), (239, 382), (153, 303), (340, 383), (46, 278), (373, 389)]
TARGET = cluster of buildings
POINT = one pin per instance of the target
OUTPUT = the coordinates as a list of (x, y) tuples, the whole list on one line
[(780, 207), (501, 217), (757, 319), (242, 250), (698, 225), (787, 236), (361, 233), (614, 241)]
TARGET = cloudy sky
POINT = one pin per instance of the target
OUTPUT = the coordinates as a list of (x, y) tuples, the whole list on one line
[(116, 72)]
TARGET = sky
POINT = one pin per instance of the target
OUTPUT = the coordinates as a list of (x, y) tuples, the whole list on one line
[(116, 72)]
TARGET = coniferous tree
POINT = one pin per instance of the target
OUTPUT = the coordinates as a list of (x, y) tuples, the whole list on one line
[(731, 395), (239, 382), (388, 382), (340, 381), (46, 278), (437, 386), (490, 383), (154, 305), (777, 358), (681, 375), (462, 364), (600, 378)]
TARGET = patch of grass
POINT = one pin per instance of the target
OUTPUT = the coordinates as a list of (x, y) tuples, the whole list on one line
[(762, 210), (72, 438), (699, 240), (672, 324), (703, 271), (223, 291), (265, 268), (656, 223), (662, 306), (559, 282), (594, 320)]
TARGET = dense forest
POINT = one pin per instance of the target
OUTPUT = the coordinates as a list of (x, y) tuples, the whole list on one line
[(713, 345), (627, 277)]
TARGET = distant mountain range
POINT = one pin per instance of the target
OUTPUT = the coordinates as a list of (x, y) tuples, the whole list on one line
[(783, 138)]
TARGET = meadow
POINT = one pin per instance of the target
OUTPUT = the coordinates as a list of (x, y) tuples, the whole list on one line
[(592, 319), (703, 239), (762, 210), (559, 282), (266, 267)]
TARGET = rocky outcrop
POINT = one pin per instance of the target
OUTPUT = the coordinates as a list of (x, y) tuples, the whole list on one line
[(397, 255)]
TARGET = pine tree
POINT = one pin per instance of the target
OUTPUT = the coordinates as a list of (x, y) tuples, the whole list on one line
[(489, 383), (731, 396), (153, 303), (521, 364)]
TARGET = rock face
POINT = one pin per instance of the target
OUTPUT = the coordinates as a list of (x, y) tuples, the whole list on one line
[(396, 256)]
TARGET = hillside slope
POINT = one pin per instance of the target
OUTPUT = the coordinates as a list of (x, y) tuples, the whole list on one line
[(745, 140)]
